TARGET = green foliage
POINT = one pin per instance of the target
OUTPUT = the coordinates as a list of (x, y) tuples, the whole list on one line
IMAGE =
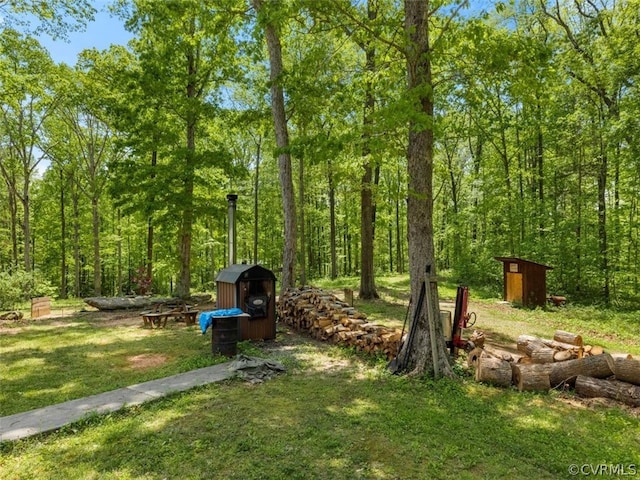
[(20, 286), (535, 145)]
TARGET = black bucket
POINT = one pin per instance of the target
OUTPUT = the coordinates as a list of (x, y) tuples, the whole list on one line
[(224, 337)]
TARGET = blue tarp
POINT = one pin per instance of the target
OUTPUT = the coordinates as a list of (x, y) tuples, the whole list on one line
[(207, 319)]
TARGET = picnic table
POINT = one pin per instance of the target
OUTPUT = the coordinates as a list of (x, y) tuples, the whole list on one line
[(180, 310)]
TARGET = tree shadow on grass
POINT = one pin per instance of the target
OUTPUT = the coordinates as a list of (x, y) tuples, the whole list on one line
[(45, 367), (347, 421)]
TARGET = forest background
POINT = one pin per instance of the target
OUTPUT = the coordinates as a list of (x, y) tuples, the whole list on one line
[(536, 152)]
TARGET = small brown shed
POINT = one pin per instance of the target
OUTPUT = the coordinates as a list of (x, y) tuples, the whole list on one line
[(525, 282), (250, 288)]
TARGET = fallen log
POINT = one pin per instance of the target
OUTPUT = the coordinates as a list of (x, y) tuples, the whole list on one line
[(544, 355), (528, 343), (626, 370), (14, 315), (493, 370), (531, 377), (621, 391), (124, 303), (598, 366), (503, 354), (567, 337)]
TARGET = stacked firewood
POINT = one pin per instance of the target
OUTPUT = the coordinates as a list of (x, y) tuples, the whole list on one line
[(325, 317), (562, 362)]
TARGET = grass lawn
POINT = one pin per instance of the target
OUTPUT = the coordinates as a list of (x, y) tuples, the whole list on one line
[(333, 415)]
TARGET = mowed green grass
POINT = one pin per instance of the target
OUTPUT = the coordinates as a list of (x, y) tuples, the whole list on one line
[(333, 415), (49, 361)]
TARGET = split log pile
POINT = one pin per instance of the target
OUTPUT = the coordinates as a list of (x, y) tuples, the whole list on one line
[(562, 362), (325, 317)]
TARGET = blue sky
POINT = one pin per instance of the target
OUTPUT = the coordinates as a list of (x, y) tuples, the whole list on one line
[(101, 33)]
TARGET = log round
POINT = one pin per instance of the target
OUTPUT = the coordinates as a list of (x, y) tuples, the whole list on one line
[(567, 337), (627, 370), (473, 356), (562, 356), (494, 371), (543, 355), (531, 377), (594, 387), (566, 372)]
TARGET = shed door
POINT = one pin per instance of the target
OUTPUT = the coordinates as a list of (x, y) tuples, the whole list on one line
[(514, 287)]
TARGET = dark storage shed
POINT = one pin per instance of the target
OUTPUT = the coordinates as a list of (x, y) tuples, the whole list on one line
[(525, 282), (250, 288)]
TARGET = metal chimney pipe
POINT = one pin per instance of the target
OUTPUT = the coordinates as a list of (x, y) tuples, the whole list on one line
[(231, 237)]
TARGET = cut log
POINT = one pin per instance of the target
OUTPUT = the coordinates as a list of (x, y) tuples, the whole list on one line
[(325, 317), (523, 343), (562, 356), (503, 354), (494, 371), (477, 338), (528, 344), (566, 372), (621, 391), (543, 355), (473, 356), (567, 337), (596, 350), (557, 300), (531, 377), (627, 370)]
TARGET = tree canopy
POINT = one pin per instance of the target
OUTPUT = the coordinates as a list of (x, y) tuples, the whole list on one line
[(405, 135)]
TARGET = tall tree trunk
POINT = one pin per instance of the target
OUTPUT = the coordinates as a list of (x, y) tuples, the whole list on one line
[(418, 355), (10, 181), (97, 263), (399, 242), (154, 162), (282, 142), (303, 262), (602, 219), (118, 290), (63, 240), (77, 267), (332, 223), (540, 165), (367, 208), (26, 222), (256, 186), (183, 287)]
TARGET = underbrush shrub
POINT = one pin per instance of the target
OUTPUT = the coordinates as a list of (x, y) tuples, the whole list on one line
[(20, 286)]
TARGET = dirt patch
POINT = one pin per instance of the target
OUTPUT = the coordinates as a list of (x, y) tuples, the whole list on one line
[(144, 361), (598, 403)]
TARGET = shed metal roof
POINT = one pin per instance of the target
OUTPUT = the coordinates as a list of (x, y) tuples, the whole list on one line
[(236, 272)]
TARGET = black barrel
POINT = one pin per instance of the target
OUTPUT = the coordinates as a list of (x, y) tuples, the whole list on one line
[(224, 337)]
